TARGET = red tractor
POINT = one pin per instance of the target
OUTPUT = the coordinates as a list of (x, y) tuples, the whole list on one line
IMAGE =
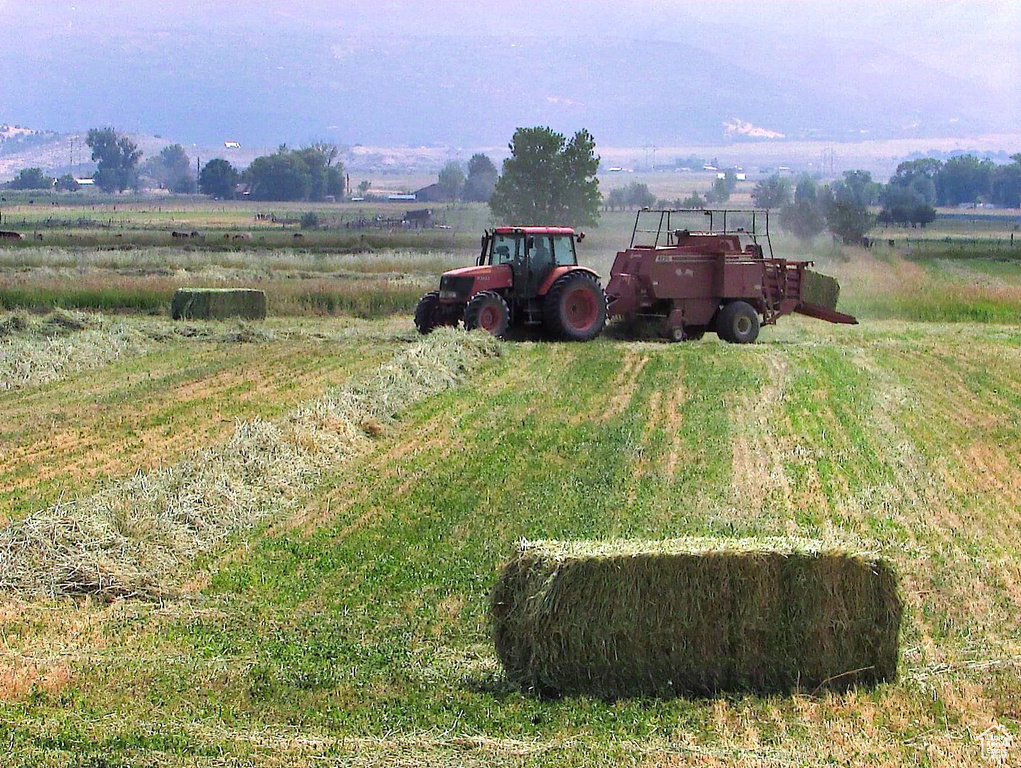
[(524, 276)]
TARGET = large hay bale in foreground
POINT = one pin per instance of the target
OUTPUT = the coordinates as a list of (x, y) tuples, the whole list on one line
[(218, 303), (820, 289), (694, 616)]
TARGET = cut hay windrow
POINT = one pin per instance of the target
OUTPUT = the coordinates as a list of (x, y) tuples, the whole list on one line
[(37, 351), (694, 616), (218, 304), (132, 538)]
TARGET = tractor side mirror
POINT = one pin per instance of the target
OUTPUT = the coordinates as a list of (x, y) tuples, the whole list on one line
[(581, 236)]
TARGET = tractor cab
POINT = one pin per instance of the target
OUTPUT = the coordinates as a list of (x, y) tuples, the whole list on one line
[(532, 253)]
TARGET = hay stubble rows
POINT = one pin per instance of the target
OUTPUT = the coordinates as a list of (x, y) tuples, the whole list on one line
[(354, 628)]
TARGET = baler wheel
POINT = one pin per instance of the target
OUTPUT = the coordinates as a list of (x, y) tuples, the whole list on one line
[(575, 308), (487, 310), (427, 313), (738, 323), (686, 333)]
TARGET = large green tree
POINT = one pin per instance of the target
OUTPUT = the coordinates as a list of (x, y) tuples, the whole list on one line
[(905, 203), (722, 188), (171, 169), (772, 192), (481, 181), (804, 218), (919, 177), (634, 195), (846, 204), (846, 217), (325, 172), (309, 173), (548, 179), (67, 183), (31, 178), (451, 180), (856, 188), (902, 205), (117, 157), (281, 176), (964, 179), (218, 179), (1007, 184)]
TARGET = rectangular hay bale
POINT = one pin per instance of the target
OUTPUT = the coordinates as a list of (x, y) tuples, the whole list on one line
[(218, 304), (694, 616), (820, 289)]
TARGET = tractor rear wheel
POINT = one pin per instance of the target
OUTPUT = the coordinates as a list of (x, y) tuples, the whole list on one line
[(738, 323), (487, 310), (427, 313), (575, 308)]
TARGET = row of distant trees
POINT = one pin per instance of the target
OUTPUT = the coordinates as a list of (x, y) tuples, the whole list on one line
[(549, 178), (844, 206), (310, 173), (909, 198)]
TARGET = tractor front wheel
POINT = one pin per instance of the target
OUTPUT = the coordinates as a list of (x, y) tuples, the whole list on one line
[(738, 323), (427, 313), (487, 310), (575, 308)]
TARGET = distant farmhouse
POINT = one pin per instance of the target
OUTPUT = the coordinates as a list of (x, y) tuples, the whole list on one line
[(432, 194)]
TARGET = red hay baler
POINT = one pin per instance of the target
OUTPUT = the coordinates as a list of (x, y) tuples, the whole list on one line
[(708, 270)]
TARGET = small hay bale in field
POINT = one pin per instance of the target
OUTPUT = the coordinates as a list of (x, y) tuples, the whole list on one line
[(820, 289), (218, 304), (694, 616)]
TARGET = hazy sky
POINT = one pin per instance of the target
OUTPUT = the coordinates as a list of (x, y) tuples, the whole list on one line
[(981, 38), (52, 47)]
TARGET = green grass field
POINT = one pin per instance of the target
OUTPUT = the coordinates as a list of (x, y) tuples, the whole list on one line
[(351, 627)]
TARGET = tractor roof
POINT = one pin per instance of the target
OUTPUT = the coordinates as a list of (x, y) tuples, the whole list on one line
[(534, 231)]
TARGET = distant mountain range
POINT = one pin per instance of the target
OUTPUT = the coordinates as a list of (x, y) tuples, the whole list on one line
[(460, 90)]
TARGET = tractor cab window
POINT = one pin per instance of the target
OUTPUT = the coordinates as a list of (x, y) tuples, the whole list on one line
[(540, 253), (563, 251), (505, 249)]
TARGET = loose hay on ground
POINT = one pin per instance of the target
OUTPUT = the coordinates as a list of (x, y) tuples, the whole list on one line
[(37, 351), (694, 616), (133, 538)]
